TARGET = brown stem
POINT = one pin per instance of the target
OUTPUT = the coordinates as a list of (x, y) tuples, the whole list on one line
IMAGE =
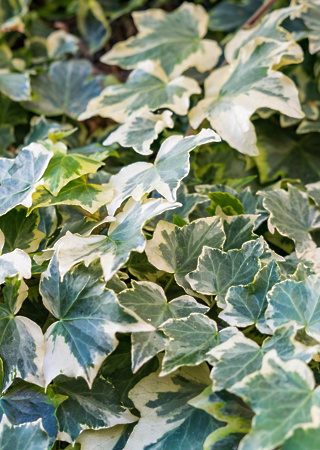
[(256, 16)]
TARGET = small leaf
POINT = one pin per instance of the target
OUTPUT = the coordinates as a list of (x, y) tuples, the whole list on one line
[(229, 204), (217, 271), (140, 130), (15, 85)]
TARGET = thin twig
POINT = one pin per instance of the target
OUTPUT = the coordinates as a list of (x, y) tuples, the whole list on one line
[(256, 16)]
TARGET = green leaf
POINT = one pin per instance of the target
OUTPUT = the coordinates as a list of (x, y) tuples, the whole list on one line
[(167, 420), (246, 305), (98, 407), (228, 99), (124, 236), (140, 130), (298, 301), (171, 165), (25, 403), (161, 38), (77, 192), (65, 89), (20, 436), (190, 339), (177, 249), (217, 271), (21, 231), (285, 387), (227, 408), (147, 86), (88, 318), (15, 85), (311, 18), (11, 13), (19, 176), (148, 301), (291, 215), (229, 204), (92, 24), (238, 230), (64, 167), (227, 16), (22, 343)]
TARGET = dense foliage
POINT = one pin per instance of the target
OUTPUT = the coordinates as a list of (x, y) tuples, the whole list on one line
[(159, 224)]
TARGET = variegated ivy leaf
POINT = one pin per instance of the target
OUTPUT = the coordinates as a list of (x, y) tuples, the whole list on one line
[(25, 403), (140, 130), (284, 387), (21, 231), (298, 301), (124, 236), (88, 318), (149, 302), (314, 192), (238, 230), (77, 192), (177, 249), (167, 420), (105, 439), (292, 216), (161, 38), (19, 176), (11, 13), (98, 407), (229, 409), (246, 305), (217, 271), (307, 437), (64, 167), (190, 339), (65, 89), (92, 24), (20, 436), (311, 18), (171, 165), (268, 28), (234, 92), (60, 43), (147, 86), (15, 263), (15, 85), (22, 343), (239, 356)]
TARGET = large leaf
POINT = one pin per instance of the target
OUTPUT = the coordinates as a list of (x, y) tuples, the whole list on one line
[(233, 93), (307, 437), (89, 316), (22, 343), (161, 38), (149, 302), (171, 165), (140, 130), (291, 214), (65, 89), (20, 436), (246, 305), (19, 176), (147, 86), (298, 301), (176, 250), (77, 192), (217, 271), (124, 236), (98, 407), (167, 420), (190, 339), (15, 85), (285, 387)]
